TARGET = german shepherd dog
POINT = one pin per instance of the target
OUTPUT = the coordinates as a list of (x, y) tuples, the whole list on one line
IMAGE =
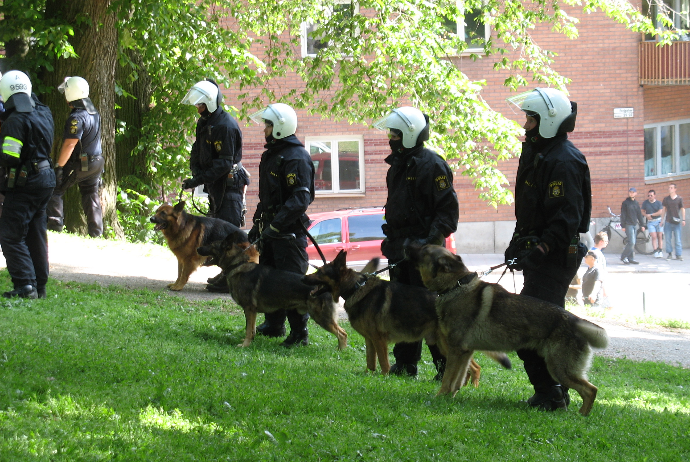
[(474, 314), (185, 233), (384, 312), (262, 289)]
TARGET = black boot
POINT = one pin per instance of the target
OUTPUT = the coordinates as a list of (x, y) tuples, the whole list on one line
[(220, 286), (299, 335), (274, 325), (27, 291), (41, 292), (404, 369), (549, 400)]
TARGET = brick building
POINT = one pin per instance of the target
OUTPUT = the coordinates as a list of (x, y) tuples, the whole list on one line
[(611, 69)]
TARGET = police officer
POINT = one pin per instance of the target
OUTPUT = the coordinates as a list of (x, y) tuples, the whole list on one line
[(80, 159), (215, 160), (552, 206), (26, 136), (421, 205), (286, 188)]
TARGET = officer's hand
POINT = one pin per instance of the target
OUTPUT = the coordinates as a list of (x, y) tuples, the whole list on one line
[(190, 183), (270, 233), (532, 261), (254, 234)]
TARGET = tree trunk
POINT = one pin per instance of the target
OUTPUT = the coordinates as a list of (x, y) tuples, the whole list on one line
[(131, 114), (95, 42)]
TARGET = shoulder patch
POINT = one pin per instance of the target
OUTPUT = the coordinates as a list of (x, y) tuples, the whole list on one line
[(291, 179), (218, 145), (73, 130), (556, 189), (442, 182)]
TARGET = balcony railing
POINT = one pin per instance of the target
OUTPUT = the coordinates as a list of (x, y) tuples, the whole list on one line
[(664, 65)]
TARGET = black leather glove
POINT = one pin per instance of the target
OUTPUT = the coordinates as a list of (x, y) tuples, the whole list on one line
[(254, 234), (191, 183), (58, 177), (271, 233), (531, 261)]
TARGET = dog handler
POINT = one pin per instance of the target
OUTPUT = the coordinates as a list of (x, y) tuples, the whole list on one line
[(552, 206), (215, 160), (80, 159), (26, 137), (421, 206), (286, 188)]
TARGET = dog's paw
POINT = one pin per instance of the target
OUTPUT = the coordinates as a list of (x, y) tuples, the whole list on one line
[(175, 287)]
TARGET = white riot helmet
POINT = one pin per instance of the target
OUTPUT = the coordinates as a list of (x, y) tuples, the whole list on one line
[(408, 120), (74, 88), (282, 116), (552, 106), (205, 92), (14, 82)]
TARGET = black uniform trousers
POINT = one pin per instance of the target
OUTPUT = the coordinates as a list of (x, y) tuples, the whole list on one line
[(286, 255), (24, 236), (404, 352), (229, 208), (549, 283), (89, 184)]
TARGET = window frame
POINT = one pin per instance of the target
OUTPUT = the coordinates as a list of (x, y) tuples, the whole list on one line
[(460, 31), (676, 150), (306, 24), (336, 190)]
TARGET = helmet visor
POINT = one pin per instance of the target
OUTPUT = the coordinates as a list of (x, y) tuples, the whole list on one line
[(61, 87), (258, 117), (382, 124), (516, 102), (196, 96)]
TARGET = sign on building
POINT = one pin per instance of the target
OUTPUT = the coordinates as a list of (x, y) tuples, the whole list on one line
[(622, 112)]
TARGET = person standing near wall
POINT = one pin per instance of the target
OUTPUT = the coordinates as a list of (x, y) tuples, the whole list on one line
[(652, 210), (631, 217), (673, 220)]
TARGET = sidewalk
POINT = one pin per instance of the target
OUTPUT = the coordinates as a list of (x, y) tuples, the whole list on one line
[(655, 287)]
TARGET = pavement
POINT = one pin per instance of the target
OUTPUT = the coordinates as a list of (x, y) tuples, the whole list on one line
[(656, 287)]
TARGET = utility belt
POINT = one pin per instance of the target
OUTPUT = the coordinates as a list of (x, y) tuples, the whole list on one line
[(84, 158), (268, 216), (404, 232), (521, 245), (237, 177), (17, 176)]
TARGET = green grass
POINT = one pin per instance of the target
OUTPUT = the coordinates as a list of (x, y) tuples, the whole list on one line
[(111, 374), (641, 320)]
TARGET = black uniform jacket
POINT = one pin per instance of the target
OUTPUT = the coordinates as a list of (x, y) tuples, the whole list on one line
[(421, 199), (631, 215), (286, 185), (217, 147), (30, 133), (86, 128), (553, 194)]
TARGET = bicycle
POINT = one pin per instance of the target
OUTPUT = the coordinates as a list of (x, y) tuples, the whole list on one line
[(641, 239)]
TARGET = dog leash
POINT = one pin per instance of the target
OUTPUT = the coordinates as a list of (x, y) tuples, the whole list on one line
[(507, 265)]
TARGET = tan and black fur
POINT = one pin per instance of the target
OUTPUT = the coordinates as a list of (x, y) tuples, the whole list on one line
[(384, 312), (477, 315), (262, 289), (185, 233)]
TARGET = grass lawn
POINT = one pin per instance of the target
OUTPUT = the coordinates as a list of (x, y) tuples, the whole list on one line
[(95, 374)]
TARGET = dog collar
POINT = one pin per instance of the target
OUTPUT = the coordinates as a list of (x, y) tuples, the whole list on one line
[(461, 282), (358, 285)]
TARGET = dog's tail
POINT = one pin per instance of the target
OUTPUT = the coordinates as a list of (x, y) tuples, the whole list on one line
[(500, 357), (595, 335)]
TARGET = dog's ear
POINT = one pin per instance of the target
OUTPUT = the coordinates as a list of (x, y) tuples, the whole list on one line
[(371, 266), (340, 260), (229, 239), (179, 207)]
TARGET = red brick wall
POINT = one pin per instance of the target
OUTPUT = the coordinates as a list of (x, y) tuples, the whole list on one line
[(602, 64)]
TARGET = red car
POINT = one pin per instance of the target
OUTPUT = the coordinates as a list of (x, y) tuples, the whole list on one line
[(358, 231)]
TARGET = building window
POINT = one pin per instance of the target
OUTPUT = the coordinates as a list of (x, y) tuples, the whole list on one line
[(667, 149), (677, 11), (311, 37), (471, 27), (338, 163)]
